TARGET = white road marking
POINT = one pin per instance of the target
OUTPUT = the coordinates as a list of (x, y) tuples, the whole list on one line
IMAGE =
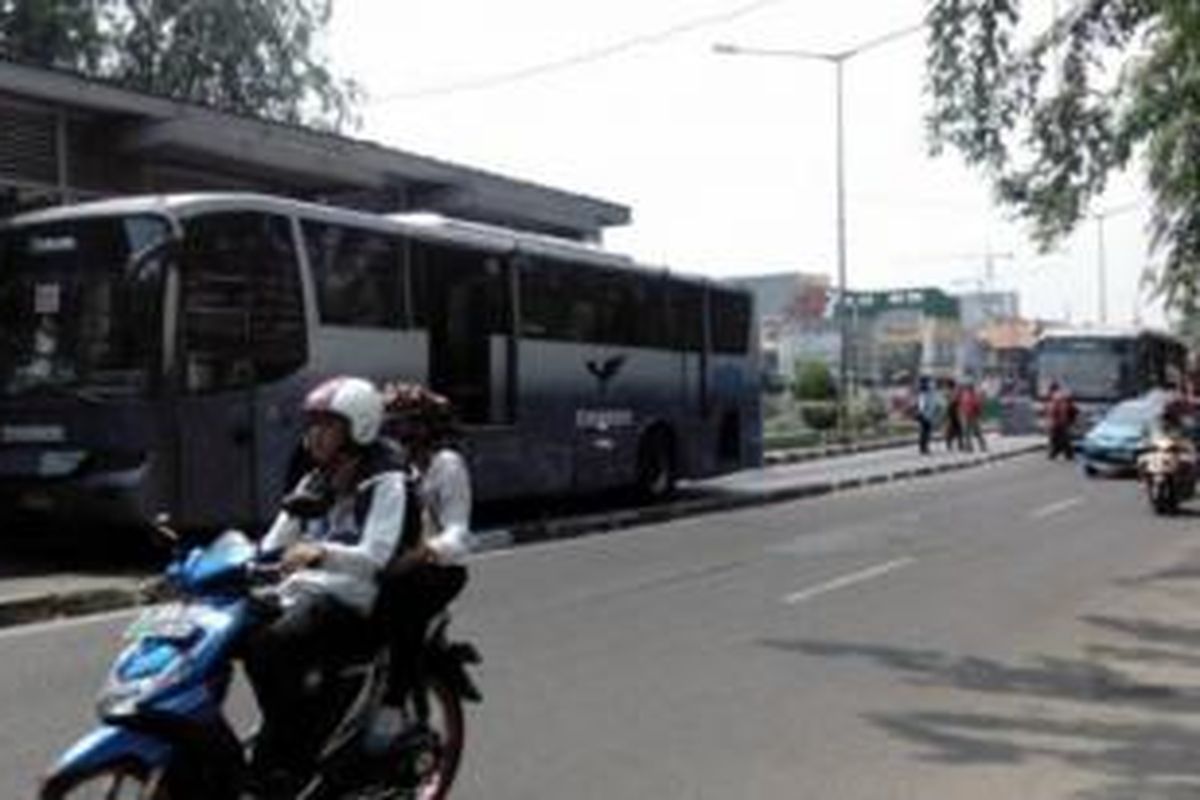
[(68, 623), (847, 580), (1054, 508)]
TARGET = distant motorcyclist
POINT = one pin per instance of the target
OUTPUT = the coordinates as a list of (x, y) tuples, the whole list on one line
[(337, 531), (427, 574), (1171, 421)]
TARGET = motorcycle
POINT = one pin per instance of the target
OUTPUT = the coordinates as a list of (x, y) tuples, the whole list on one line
[(163, 735), (1167, 470)]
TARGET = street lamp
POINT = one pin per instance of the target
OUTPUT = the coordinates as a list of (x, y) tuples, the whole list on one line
[(1101, 268), (838, 58)]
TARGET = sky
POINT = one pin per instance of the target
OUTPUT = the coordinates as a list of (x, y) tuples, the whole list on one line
[(727, 162)]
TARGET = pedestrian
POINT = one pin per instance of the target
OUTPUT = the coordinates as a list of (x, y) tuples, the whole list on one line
[(926, 408), (954, 436), (971, 411), (1061, 415)]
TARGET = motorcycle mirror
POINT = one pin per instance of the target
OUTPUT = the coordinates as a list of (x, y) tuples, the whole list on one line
[(165, 533)]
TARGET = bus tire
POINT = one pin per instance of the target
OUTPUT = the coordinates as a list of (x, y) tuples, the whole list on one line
[(656, 465)]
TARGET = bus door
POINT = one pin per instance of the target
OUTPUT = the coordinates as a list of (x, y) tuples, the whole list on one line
[(240, 323), (463, 299)]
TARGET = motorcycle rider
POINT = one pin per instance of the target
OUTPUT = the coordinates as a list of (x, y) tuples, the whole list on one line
[(428, 574), (337, 531)]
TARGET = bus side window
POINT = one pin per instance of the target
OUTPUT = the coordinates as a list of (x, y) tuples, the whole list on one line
[(358, 275), (242, 315), (685, 317), (547, 307)]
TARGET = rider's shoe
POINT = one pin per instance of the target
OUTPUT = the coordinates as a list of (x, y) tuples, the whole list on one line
[(274, 784)]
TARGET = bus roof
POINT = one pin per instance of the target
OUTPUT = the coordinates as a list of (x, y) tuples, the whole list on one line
[(421, 225), (1107, 332)]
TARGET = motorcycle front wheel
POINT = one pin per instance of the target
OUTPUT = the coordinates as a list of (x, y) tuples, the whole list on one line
[(117, 781)]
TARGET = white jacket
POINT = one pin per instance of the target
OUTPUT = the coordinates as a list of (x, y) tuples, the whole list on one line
[(354, 556)]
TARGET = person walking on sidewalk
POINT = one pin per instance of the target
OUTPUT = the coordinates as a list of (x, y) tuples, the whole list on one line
[(927, 411), (954, 430), (970, 406)]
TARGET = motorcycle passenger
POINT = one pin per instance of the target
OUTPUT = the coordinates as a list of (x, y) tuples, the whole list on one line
[(337, 530), (427, 574)]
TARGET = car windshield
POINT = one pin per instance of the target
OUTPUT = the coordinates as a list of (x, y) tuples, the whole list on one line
[(81, 302), (1133, 414)]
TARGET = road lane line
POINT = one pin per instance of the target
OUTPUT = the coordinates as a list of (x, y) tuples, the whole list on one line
[(61, 624), (1054, 508), (847, 580)]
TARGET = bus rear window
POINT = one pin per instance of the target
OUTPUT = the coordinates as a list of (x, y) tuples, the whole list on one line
[(729, 315)]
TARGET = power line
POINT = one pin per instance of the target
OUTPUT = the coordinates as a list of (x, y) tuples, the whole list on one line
[(581, 58)]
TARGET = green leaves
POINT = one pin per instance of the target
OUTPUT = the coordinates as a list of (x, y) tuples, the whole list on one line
[(253, 57), (1049, 114)]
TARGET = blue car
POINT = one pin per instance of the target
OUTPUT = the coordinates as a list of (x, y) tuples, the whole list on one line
[(1111, 446)]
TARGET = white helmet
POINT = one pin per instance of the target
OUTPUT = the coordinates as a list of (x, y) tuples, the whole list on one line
[(353, 399)]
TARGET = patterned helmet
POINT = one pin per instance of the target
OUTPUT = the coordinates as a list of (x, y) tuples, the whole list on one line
[(415, 405)]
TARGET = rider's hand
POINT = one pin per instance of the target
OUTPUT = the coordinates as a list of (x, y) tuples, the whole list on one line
[(301, 555)]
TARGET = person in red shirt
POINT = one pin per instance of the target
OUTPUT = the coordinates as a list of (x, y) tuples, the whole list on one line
[(1061, 415), (970, 409)]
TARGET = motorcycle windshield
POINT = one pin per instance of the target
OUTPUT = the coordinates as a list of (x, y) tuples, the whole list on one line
[(227, 555), (81, 302)]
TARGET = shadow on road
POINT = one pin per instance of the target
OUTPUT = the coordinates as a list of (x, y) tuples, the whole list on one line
[(1090, 713)]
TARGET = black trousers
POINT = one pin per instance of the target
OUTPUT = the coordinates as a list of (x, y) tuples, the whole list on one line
[(926, 431), (408, 600), (314, 632), (1060, 442)]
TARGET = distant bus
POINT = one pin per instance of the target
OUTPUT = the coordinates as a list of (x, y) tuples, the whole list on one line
[(1103, 366), (154, 352)]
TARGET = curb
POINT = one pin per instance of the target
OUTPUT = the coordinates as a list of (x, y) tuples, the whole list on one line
[(556, 530), (22, 610), (777, 457)]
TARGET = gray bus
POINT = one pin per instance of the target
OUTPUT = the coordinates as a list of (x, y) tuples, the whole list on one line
[(1103, 366), (154, 352)]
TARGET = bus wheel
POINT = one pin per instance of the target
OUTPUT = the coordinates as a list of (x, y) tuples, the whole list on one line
[(656, 466)]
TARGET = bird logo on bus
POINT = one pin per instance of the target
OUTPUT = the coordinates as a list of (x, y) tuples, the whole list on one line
[(605, 370)]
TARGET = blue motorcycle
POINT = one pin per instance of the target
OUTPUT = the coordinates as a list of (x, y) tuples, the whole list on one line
[(163, 734)]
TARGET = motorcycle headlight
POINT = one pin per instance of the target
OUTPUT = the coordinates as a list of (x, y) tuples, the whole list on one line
[(140, 672)]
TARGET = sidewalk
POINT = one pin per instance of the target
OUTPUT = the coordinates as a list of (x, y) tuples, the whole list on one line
[(27, 596)]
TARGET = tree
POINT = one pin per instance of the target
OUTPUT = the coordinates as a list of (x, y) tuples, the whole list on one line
[(1051, 116), (253, 57), (56, 33)]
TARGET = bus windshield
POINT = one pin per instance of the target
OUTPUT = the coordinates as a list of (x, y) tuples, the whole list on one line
[(81, 304), (1095, 369)]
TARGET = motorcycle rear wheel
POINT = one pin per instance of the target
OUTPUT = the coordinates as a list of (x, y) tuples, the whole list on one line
[(117, 781), (447, 724)]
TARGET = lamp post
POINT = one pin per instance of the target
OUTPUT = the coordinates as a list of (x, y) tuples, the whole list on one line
[(838, 59), (1101, 264)]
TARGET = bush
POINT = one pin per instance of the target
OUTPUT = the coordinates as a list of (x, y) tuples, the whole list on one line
[(813, 381), (819, 415)]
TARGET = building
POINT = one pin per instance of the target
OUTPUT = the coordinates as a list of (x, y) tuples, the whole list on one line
[(898, 334), (793, 310), (894, 334), (978, 309), (64, 137)]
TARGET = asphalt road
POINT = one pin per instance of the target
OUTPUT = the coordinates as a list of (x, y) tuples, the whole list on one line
[(1013, 630)]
